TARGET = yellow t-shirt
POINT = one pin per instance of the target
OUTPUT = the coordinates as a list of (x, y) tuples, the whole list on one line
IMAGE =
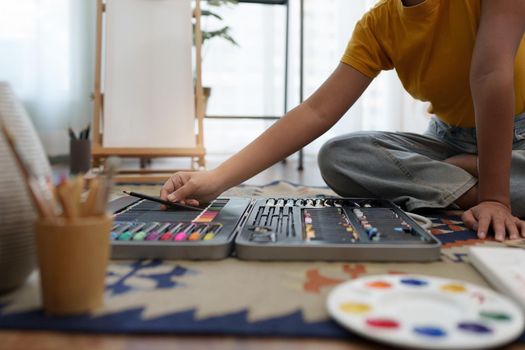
[(430, 46)]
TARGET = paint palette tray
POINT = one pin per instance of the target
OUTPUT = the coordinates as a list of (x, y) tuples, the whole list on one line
[(142, 230), (333, 229), (421, 312)]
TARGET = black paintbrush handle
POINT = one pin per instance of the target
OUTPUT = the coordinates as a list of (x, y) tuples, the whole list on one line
[(161, 201)]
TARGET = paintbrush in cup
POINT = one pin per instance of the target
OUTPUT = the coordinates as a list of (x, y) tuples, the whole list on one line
[(110, 169)]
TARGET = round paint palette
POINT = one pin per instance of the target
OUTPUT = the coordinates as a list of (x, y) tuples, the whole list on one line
[(425, 312)]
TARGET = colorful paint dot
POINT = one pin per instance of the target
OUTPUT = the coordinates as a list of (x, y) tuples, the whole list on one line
[(379, 284), (430, 331), (382, 323), (453, 288), (126, 236), (209, 236), (497, 316), (414, 282), (474, 327), (153, 236), (139, 236), (355, 308)]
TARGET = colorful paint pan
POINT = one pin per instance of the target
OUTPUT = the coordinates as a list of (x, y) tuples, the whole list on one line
[(183, 234), (211, 212), (198, 233), (421, 312), (168, 236), (128, 234), (155, 234)]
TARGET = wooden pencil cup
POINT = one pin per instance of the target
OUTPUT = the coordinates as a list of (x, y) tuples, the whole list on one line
[(73, 257)]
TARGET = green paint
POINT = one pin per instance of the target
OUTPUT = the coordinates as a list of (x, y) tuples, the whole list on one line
[(498, 316)]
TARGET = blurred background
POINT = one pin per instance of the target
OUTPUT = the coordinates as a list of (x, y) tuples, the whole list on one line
[(251, 63)]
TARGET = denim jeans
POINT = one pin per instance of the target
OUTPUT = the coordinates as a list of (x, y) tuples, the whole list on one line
[(409, 168)]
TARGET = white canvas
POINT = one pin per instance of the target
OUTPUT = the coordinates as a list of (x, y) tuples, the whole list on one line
[(148, 79)]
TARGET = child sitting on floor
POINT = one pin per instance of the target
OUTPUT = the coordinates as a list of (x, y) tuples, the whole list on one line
[(467, 58)]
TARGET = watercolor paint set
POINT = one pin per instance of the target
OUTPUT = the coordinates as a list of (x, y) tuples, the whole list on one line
[(422, 312), (271, 229)]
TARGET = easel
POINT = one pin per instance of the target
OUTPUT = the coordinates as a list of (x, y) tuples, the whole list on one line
[(99, 152)]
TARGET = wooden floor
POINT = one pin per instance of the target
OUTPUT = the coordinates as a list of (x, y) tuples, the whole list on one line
[(52, 341), (17, 340)]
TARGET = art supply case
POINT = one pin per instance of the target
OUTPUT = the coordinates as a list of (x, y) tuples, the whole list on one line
[(336, 229), (211, 236), (332, 229)]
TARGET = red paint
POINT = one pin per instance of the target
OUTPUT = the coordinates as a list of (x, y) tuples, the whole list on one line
[(382, 323)]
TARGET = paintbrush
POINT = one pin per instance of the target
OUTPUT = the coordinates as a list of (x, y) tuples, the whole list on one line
[(161, 201), (65, 199), (110, 169), (89, 205)]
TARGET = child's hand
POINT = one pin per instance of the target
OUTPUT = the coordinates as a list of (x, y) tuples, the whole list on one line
[(497, 215), (191, 187)]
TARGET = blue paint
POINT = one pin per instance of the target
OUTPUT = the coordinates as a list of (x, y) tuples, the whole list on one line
[(430, 331), (414, 282), (474, 327)]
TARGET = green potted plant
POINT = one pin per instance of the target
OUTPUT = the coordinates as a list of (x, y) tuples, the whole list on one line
[(220, 30)]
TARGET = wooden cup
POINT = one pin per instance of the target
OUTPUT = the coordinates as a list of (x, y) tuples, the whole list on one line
[(73, 257)]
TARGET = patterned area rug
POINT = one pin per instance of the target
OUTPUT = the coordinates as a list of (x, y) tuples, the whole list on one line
[(233, 296)]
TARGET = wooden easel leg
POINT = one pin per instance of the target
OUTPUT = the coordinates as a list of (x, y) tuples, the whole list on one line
[(202, 163), (96, 162), (192, 163)]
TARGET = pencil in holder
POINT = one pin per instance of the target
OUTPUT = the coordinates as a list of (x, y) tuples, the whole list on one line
[(73, 257)]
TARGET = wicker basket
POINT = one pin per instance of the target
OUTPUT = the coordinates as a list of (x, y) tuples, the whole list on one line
[(17, 251)]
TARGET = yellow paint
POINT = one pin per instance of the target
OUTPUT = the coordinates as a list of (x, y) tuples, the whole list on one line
[(355, 308), (310, 232), (453, 288)]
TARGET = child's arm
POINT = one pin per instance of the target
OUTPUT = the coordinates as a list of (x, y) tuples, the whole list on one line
[(501, 29), (296, 129)]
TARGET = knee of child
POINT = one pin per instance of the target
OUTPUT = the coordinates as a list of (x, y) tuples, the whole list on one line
[(345, 149), (325, 157), (341, 156)]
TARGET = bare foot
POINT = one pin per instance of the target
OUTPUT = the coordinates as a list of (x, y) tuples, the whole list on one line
[(467, 162)]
